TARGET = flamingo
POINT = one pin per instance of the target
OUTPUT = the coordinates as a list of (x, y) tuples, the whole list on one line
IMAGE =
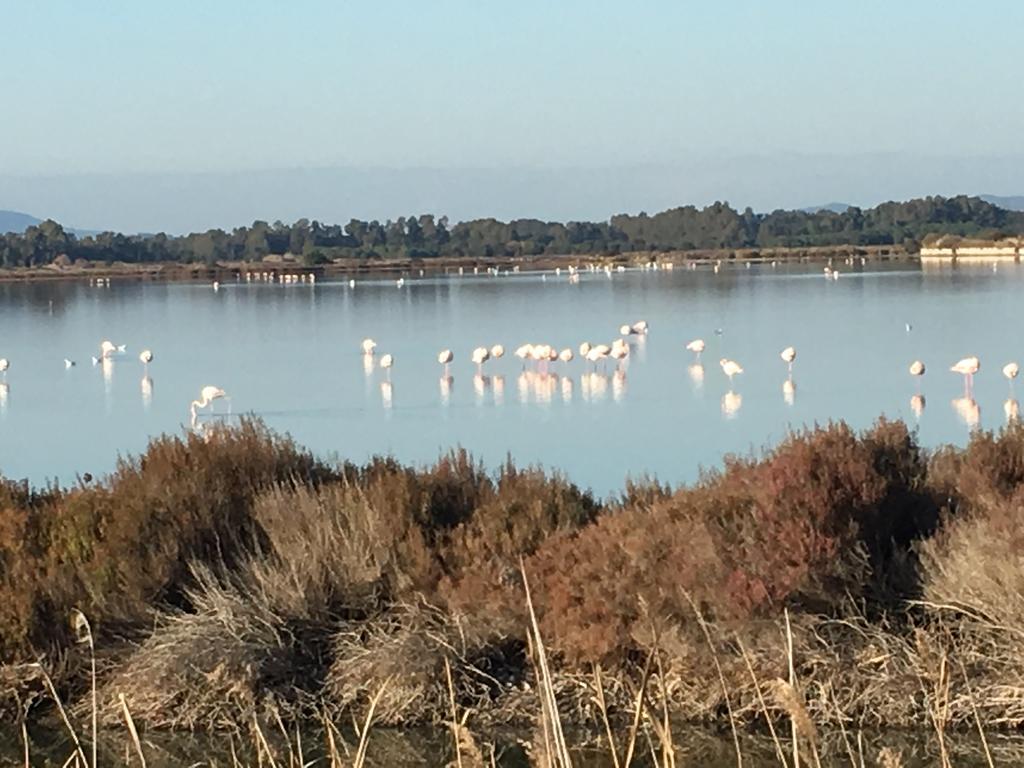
[(445, 358), (696, 346), (497, 351), (585, 348), (386, 362), (146, 356), (524, 353), (207, 395), (619, 351), (480, 356), (598, 352), (967, 368), (1010, 371), (107, 348), (368, 346), (626, 330), (730, 368), (639, 327), (4, 365), (788, 355), (565, 355), (917, 368)]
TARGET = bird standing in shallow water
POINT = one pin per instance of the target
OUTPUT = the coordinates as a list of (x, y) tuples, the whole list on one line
[(386, 362), (967, 368), (1010, 371), (788, 355), (445, 358), (207, 395), (696, 346), (730, 368)]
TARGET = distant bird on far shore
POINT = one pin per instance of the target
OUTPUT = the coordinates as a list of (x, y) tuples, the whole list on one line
[(68, 363)]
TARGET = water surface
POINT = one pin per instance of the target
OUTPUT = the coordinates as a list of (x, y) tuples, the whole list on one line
[(290, 355)]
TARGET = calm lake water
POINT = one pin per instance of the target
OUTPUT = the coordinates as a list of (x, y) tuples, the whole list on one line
[(290, 354)]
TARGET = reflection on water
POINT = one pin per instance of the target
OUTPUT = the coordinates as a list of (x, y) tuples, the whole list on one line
[(618, 385), (789, 392), (731, 404), (917, 403), (968, 410), (445, 385), (696, 373), (856, 359), (1011, 408), (5, 393)]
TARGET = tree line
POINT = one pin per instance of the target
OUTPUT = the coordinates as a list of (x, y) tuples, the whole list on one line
[(717, 226)]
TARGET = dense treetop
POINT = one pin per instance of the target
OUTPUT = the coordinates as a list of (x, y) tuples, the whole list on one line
[(424, 236)]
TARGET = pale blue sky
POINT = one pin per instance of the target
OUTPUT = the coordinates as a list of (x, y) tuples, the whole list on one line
[(128, 87)]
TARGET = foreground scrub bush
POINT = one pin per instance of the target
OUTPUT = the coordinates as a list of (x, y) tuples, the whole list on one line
[(116, 548), (238, 577)]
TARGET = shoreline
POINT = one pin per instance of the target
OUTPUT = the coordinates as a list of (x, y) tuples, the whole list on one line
[(347, 268)]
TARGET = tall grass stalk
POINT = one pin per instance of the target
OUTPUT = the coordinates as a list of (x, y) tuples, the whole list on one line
[(779, 751), (133, 732), (602, 707), (549, 701), (84, 633), (977, 715), (721, 677), (79, 753)]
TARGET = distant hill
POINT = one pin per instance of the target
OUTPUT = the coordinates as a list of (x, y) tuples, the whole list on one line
[(13, 221), (834, 207), (1010, 203)]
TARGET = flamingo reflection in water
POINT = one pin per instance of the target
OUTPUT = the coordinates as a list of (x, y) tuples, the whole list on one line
[(567, 388), (731, 404), (917, 404), (445, 386), (386, 394), (696, 373), (1011, 408), (481, 383), (618, 385), (789, 391), (968, 410), (5, 394), (146, 385), (498, 389)]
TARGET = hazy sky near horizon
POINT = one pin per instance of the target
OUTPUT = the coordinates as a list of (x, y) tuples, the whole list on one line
[(122, 87)]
